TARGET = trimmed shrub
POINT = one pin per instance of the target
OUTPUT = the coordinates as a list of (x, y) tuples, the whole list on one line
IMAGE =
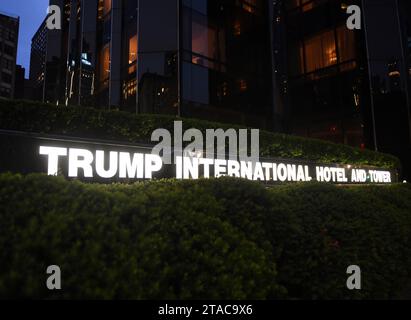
[(130, 243), (208, 239), (115, 125)]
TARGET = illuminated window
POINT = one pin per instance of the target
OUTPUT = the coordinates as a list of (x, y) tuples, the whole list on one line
[(250, 6), (237, 28), (132, 51), (305, 5), (105, 64), (327, 49), (130, 88), (243, 85), (203, 40), (132, 55), (107, 6), (320, 51)]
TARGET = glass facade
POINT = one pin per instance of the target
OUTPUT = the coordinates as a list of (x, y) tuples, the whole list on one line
[(56, 57), (286, 65), (9, 30), (324, 78), (341, 85), (157, 61), (389, 75), (208, 59), (226, 62)]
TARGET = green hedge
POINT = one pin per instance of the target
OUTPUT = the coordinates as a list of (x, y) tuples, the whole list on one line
[(206, 239), (115, 125)]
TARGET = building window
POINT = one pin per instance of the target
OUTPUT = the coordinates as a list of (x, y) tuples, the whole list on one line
[(237, 28), (107, 7), (320, 51), (5, 92), (105, 65), (8, 64), (132, 54), (242, 83), (304, 5), (346, 44), (6, 78), (8, 50), (129, 88), (328, 49), (249, 6), (207, 42)]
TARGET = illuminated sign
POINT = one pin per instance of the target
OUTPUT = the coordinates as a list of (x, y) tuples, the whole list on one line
[(84, 163), (121, 164), (106, 162)]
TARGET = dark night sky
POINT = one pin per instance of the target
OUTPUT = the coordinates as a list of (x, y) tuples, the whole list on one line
[(31, 13)]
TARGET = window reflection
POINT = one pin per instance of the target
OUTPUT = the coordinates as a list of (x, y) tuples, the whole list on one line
[(107, 6), (250, 5), (207, 42), (105, 65), (320, 51)]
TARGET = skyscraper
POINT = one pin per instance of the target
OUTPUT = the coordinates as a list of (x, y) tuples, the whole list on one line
[(208, 59), (9, 31), (346, 86), (286, 65)]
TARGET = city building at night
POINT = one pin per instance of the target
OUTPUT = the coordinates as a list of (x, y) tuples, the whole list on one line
[(288, 65), (9, 30), (190, 58), (38, 62), (341, 85)]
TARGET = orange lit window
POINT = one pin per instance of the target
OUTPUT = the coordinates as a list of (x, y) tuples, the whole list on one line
[(130, 88), (320, 51), (305, 5), (105, 63), (250, 6), (132, 54), (237, 28), (132, 51), (107, 6), (243, 85)]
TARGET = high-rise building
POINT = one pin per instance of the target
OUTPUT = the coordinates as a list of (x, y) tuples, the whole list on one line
[(346, 86), (9, 31), (208, 59), (285, 65), (38, 62)]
